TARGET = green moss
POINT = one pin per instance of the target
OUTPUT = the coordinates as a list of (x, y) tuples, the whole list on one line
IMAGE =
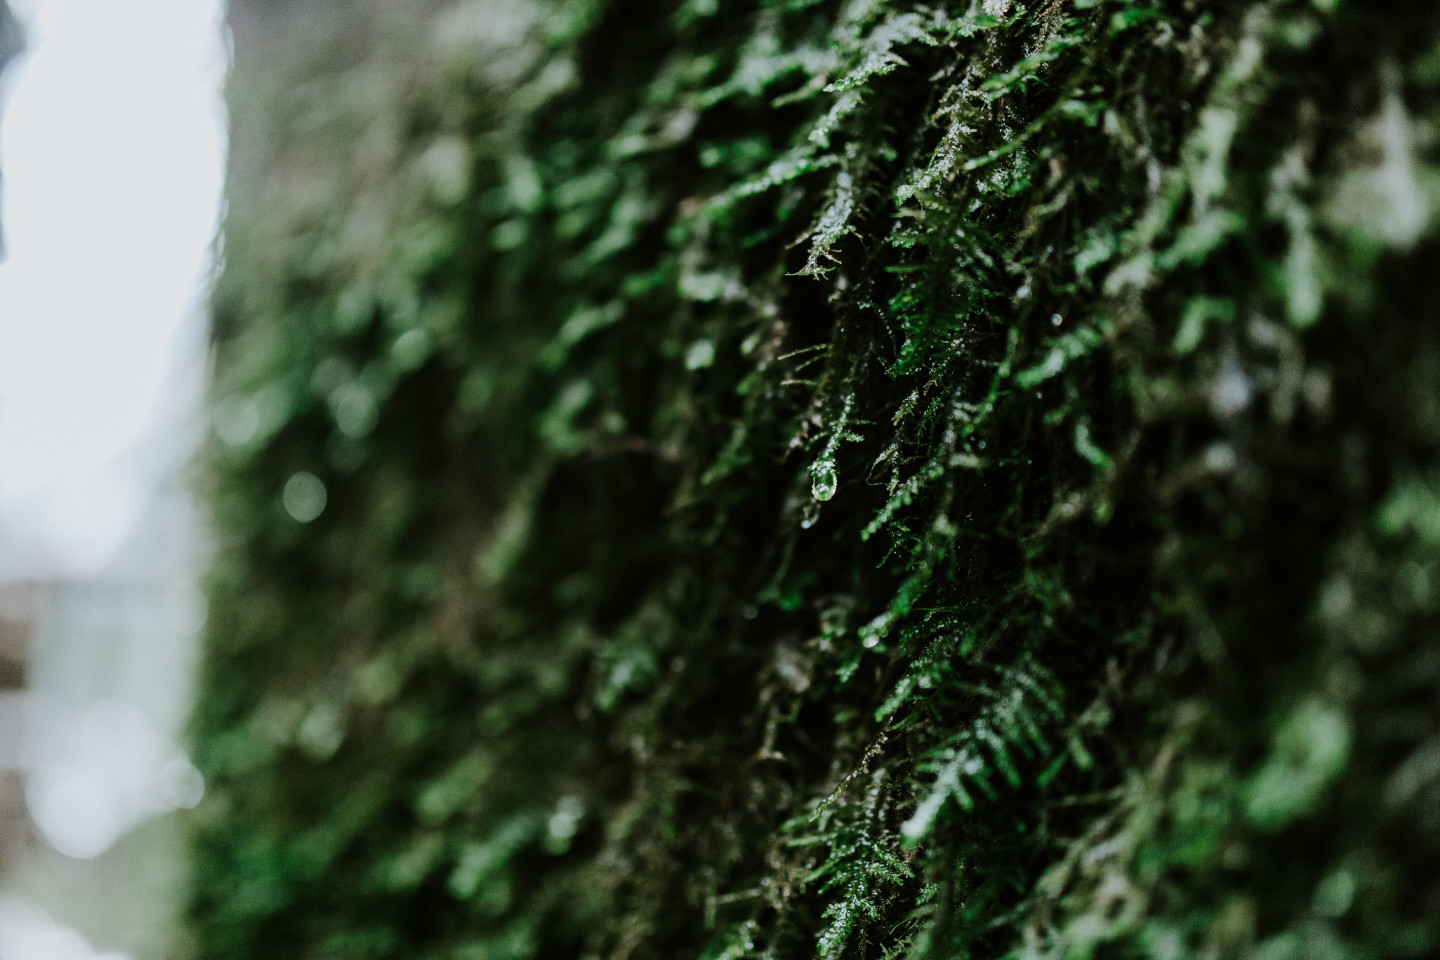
[(843, 479)]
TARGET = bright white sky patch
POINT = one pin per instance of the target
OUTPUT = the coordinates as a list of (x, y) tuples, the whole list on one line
[(112, 152)]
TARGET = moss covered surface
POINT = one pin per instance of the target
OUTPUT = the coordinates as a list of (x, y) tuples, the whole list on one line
[(800, 478)]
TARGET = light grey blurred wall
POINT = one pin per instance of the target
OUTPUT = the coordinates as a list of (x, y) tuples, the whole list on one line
[(12, 41)]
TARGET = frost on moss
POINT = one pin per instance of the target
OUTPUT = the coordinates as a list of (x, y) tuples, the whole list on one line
[(828, 479)]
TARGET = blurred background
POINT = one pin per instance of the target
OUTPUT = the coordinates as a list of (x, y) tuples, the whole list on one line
[(112, 143)]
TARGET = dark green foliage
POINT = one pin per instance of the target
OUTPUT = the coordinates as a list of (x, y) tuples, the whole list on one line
[(830, 479)]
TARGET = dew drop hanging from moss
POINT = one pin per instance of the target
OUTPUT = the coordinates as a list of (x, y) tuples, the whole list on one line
[(823, 480)]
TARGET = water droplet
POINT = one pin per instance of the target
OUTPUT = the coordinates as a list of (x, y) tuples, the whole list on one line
[(411, 349), (1232, 392), (321, 732), (823, 480), (809, 515), (1221, 458), (873, 632), (304, 496), (565, 821), (237, 420), (1056, 319), (1335, 894), (354, 410), (700, 355)]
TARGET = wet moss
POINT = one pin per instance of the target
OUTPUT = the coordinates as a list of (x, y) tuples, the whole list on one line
[(804, 478)]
